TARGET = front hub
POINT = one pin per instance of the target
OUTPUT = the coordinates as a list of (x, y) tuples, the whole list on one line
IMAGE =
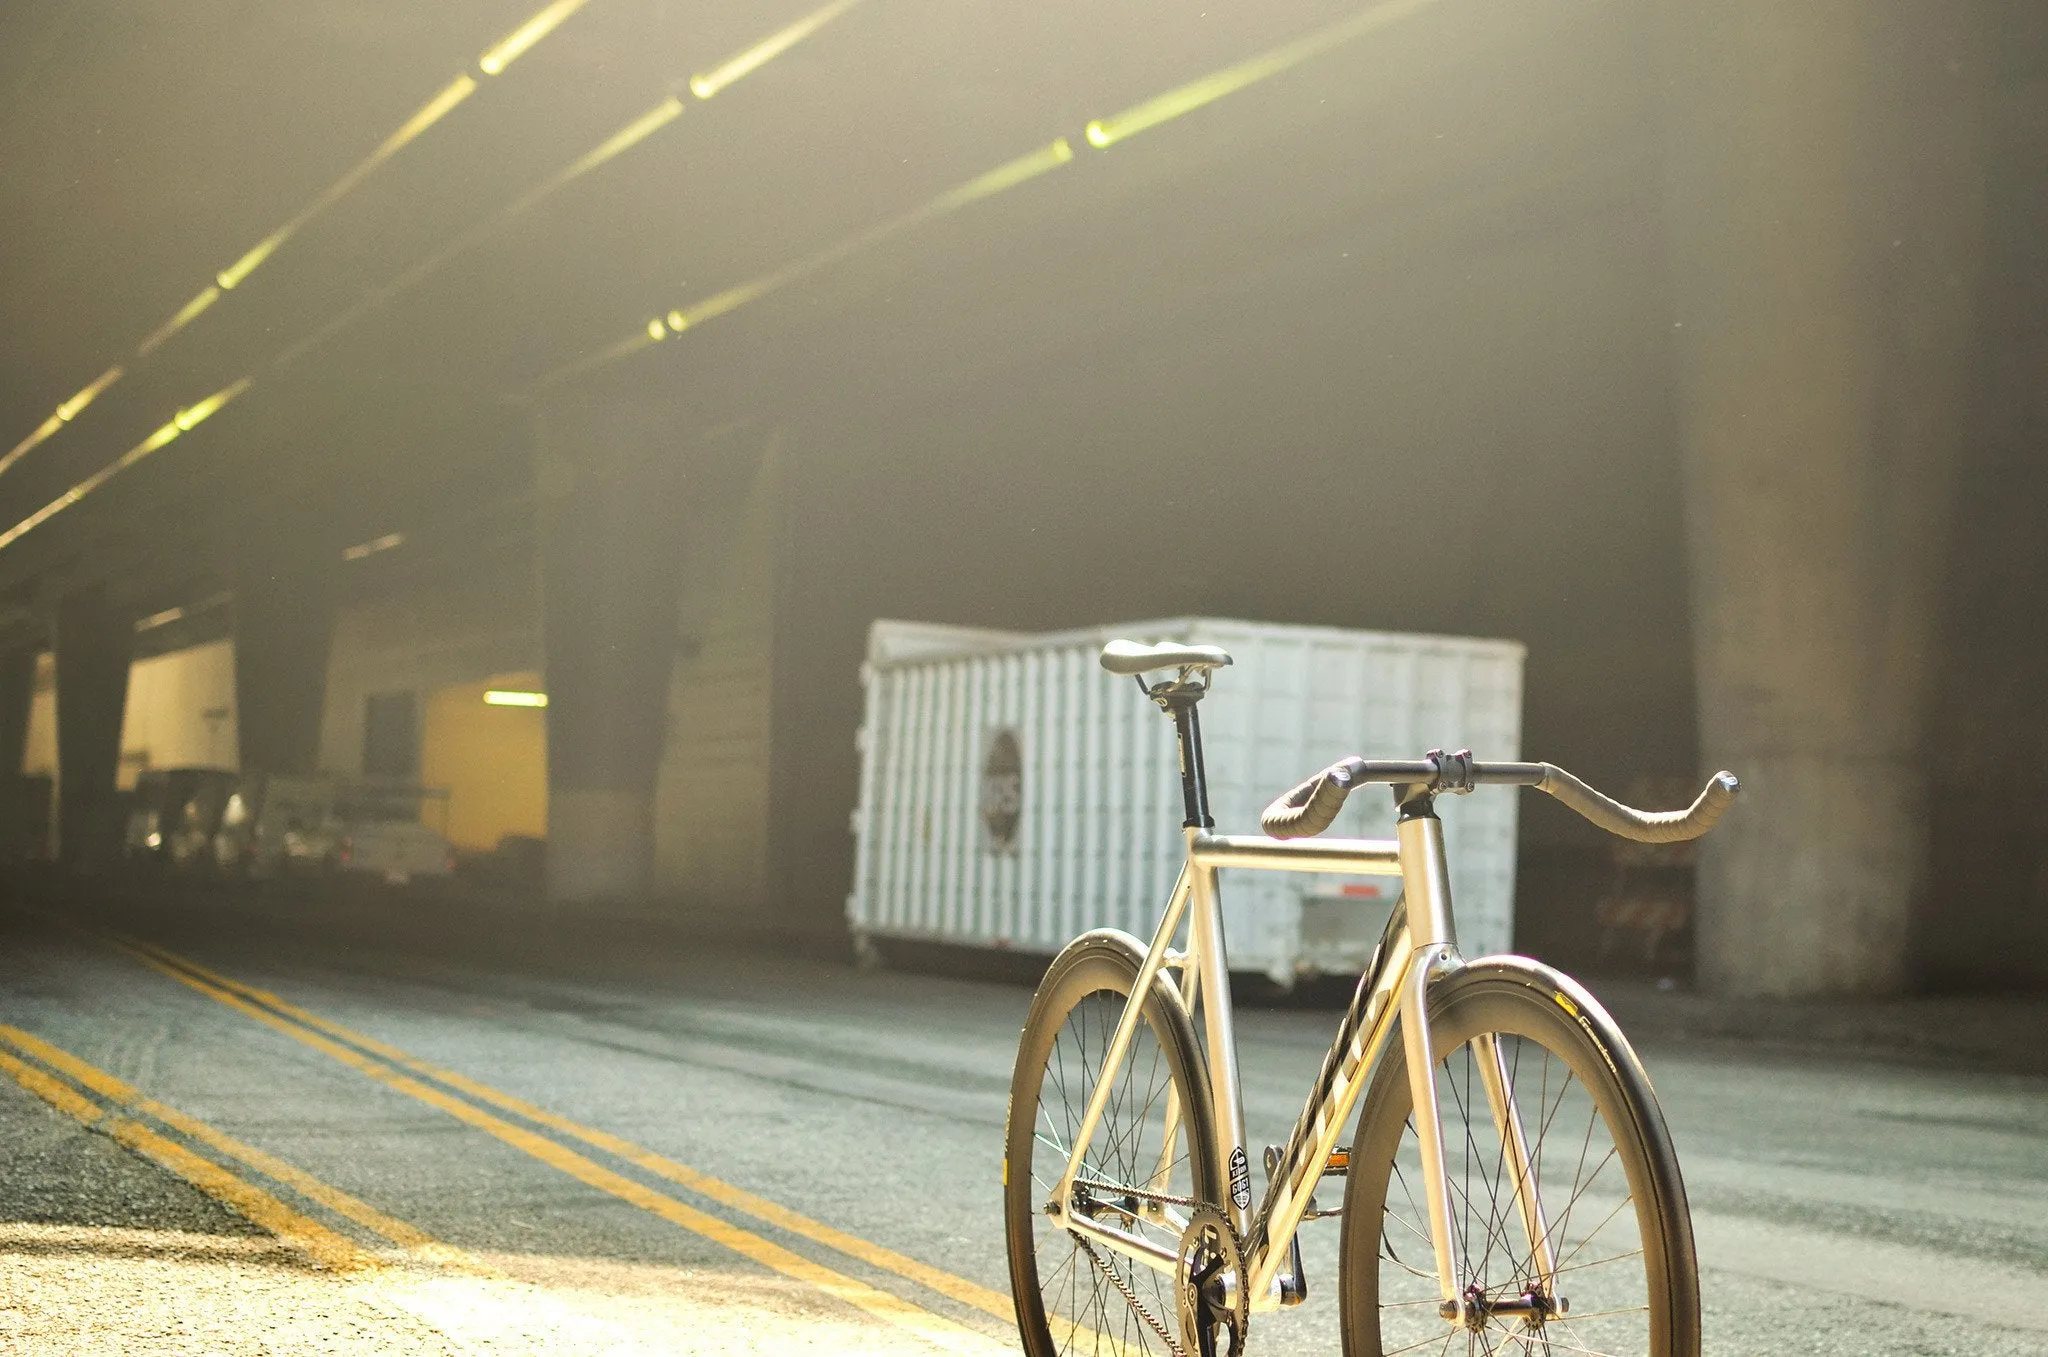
[(1532, 1307)]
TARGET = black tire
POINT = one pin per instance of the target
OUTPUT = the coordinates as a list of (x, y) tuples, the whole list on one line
[(1065, 1304), (1629, 1276)]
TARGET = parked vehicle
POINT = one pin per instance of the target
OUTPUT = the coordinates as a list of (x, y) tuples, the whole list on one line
[(288, 824), (174, 806), (188, 830), (261, 811), (381, 834)]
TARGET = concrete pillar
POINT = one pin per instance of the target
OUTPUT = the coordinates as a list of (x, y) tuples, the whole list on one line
[(1823, 205), (611, 481), (284, 630), (17, 696), (95, 638)]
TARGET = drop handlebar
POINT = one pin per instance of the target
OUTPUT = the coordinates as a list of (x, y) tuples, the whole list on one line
[(1312, 807)]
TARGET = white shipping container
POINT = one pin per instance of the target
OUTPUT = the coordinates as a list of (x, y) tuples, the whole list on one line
[(1013, 794)]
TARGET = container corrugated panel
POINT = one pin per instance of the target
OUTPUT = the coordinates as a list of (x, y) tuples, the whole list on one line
[(1014, 795)]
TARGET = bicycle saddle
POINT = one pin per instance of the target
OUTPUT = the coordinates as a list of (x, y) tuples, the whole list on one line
[(1132, 657)]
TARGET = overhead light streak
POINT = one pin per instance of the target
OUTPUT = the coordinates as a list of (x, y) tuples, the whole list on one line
[(1101, 133), (627, 137), (262, 250), (61, 416), (68, 411), (188, 313), (493, 62), (625, 348), (224, 281), (179, 614), (526, 35), (1007, 175), (1106, 132), (184, 421), (761, 53), (228, 278), (373, 546), (509, 697)]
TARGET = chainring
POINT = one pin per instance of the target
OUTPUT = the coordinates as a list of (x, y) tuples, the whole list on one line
[(1211, 1286)]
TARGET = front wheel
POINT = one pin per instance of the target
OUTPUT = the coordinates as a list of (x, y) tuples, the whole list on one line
[(1152, 1154), (1608, 1202)]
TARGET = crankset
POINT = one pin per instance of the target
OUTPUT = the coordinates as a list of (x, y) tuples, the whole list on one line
[(1215, 1299)]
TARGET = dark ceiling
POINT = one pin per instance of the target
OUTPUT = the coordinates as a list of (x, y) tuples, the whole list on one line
[(149, 145)]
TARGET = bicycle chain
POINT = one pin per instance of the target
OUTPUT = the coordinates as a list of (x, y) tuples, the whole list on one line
[(1130, 1297), (1114, 1190)]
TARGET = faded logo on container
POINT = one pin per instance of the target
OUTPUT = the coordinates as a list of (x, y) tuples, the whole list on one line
[(1002, 791)]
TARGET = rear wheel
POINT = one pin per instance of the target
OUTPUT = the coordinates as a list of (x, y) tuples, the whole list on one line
[(1623, 1279), (1071, 1296)]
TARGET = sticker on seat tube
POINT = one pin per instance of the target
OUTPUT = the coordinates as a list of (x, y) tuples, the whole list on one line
[(1240, 1179)]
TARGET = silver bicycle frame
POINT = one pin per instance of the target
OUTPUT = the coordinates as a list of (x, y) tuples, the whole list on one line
[(1420, 948)]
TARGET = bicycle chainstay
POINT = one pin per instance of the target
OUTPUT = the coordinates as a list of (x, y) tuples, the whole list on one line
[(1108, 1270)]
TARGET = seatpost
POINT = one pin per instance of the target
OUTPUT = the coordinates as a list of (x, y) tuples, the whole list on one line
[(1194, 777), (1178, 698)]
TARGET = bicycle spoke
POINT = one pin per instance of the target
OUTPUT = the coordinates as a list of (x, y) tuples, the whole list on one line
[(1601, 1262), (1087, 1312), (1594, 1235), (1576, 1318), (1597, 1263)]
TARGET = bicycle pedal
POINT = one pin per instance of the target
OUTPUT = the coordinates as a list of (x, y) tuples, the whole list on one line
[(1339, 1165)]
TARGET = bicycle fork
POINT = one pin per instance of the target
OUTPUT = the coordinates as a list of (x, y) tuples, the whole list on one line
[(1427, 897)]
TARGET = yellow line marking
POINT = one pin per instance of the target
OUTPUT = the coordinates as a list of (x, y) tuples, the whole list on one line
[(935, 1329), (408, 1237), (333, 1251), (980, 1297)]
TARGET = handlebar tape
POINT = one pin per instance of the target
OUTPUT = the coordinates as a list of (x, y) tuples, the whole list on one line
[(1309, 809), (1312, 807), (1670, 826)]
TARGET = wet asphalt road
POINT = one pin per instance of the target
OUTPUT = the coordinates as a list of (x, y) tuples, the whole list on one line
[(1841, 1205)]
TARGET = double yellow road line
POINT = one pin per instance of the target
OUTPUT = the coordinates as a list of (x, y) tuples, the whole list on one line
[(470, 1102), (124, 1113)]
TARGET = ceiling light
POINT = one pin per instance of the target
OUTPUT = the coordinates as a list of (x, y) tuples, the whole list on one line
[(373, 546), (526, 35), (765, 51), (68, 411)]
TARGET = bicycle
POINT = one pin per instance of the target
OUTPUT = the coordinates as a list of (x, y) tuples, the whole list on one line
[(1127, 1185)]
